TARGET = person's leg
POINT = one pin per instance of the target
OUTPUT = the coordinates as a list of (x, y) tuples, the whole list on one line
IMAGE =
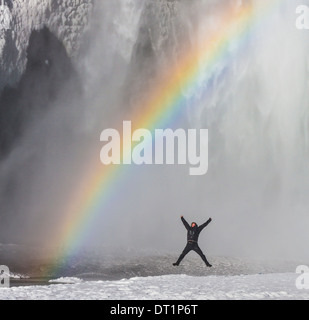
[(186, 250), (201, 254)]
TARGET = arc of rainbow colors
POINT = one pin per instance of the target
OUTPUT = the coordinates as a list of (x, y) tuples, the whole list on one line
[(163, 102)]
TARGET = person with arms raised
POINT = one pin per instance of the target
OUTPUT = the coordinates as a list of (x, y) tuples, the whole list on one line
[(192, 240)]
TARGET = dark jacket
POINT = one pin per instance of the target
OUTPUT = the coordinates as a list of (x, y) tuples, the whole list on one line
[(194, 232)]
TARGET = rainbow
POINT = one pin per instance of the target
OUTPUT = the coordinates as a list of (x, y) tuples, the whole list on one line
[(165, 102)]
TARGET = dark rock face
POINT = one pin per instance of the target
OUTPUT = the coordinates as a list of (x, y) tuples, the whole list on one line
[(49, 71), (67, 19), (163, 26)]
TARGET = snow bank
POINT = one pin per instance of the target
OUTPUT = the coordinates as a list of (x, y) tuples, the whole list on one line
[(15, 275), (264, 286), (18, 276), (66, 280)]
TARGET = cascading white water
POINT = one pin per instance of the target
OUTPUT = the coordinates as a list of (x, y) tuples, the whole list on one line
[(257, 114), (259, 142)]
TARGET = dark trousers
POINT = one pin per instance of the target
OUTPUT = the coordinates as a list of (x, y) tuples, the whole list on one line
[(192, 246)]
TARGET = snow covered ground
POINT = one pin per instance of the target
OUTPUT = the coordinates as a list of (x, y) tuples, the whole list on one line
[(170, 287), (95, 274)]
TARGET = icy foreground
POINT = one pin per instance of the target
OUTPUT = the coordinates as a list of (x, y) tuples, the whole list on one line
[(261, 286)]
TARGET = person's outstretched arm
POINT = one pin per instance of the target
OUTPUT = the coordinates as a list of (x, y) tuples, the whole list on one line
[(186, 224), (202, 226)]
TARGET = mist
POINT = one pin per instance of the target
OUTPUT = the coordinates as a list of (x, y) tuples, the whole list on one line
[(256, 188)]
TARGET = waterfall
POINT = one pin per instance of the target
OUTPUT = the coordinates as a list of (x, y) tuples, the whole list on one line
[(255, 108)]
